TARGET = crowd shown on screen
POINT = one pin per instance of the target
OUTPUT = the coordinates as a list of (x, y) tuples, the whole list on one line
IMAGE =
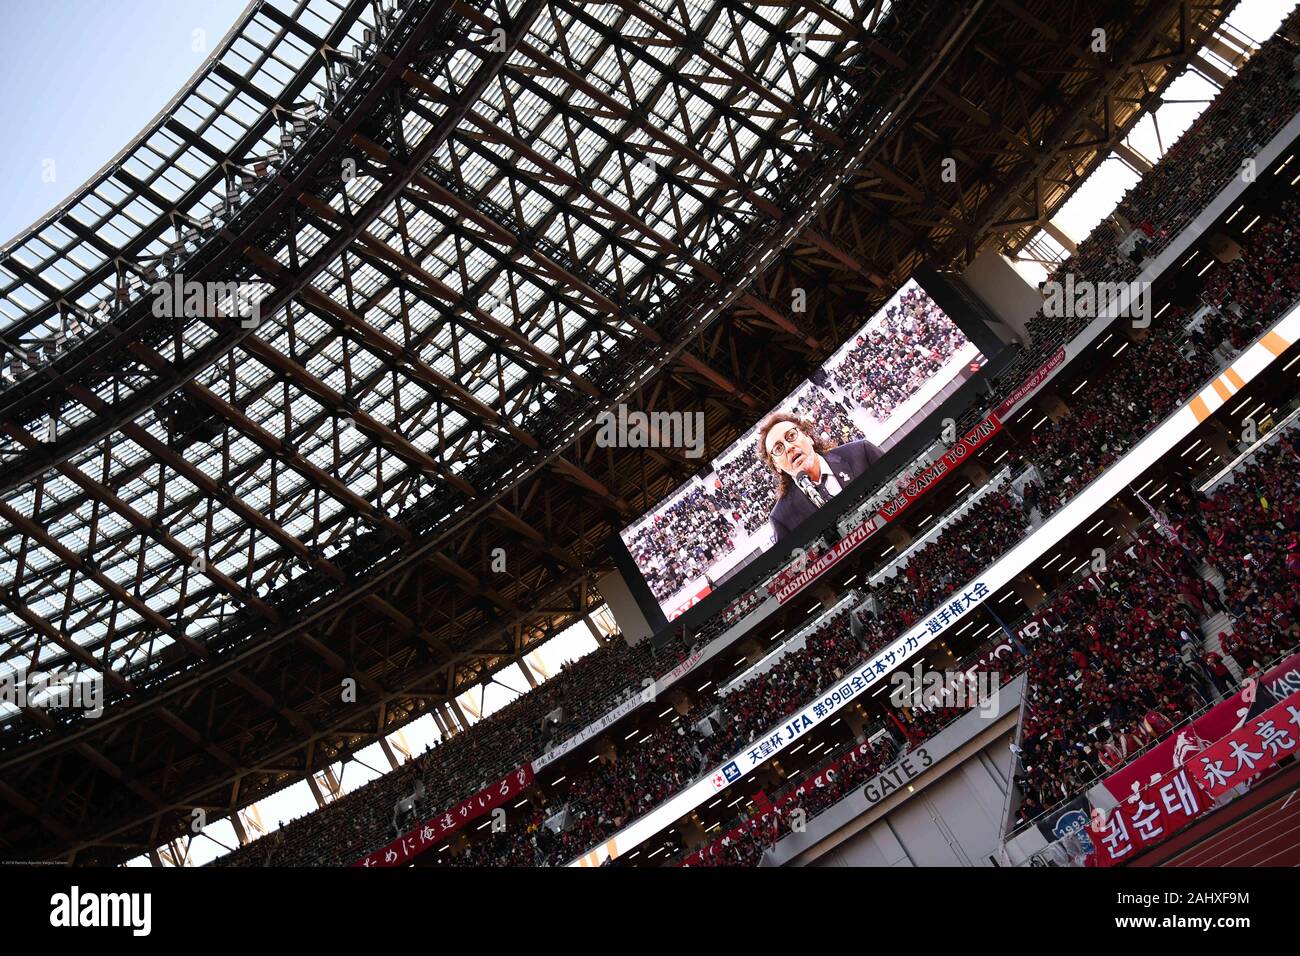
[(682, 542), (891, 360)]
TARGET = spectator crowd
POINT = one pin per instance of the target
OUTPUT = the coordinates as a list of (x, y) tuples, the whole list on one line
[(1121, 660)]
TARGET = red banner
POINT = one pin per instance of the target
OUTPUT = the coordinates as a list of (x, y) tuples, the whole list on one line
[(790, 582), (406, 848), (910, 489), (1182, 745), (1263, 742), (1160, 810), (1031, 383), (743, 605), (1165, 806)]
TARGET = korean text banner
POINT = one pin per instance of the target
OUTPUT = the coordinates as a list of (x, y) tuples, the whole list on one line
[(1164, 807), (1229, 714), (1161, 809)]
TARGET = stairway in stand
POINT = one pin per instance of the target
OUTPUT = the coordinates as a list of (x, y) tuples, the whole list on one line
[(1218, 622)]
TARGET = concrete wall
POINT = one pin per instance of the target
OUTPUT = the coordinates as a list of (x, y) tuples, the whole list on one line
[(627, 614), (940, 805), (954, 822), (1008, 296)]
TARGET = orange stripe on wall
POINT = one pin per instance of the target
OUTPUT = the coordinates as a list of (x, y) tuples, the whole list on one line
[(1275, 343), (1225, 393), (1237, 381), (1200, 409)]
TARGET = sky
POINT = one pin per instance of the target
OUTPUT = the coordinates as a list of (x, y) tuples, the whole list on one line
[(80, 78)]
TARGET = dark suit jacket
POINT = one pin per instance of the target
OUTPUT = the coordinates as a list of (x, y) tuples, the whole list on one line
[(852, 459)]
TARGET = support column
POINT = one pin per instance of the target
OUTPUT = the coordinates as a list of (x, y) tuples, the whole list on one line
[(1204, 66), (899, 537), (1228, 47), (1216, 435), (527, 672), (460, 714), (1223, 247), (1053, 406), (601, 639), (334, 788), (605, 749), (1135, 159), (237, 823), (972, 472), (388, 752), (1053, 230), (771, 777), (1133, 334), (1119, 516), (443, 726), (854, 718), (693, 835), (474, 710), (751, 650), (315, 790), (539, 668), (449, 716)]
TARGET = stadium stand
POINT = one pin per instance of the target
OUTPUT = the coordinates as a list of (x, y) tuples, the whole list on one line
[(1103, 423), (1121, 666), (1116, 663)]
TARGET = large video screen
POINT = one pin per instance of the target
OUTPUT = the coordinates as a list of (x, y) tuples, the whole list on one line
[(882, 382)]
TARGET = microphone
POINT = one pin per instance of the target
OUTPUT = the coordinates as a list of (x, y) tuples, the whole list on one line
[(808, 488)]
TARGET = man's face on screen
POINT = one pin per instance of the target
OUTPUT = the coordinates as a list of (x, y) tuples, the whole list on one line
[(790, 448)]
